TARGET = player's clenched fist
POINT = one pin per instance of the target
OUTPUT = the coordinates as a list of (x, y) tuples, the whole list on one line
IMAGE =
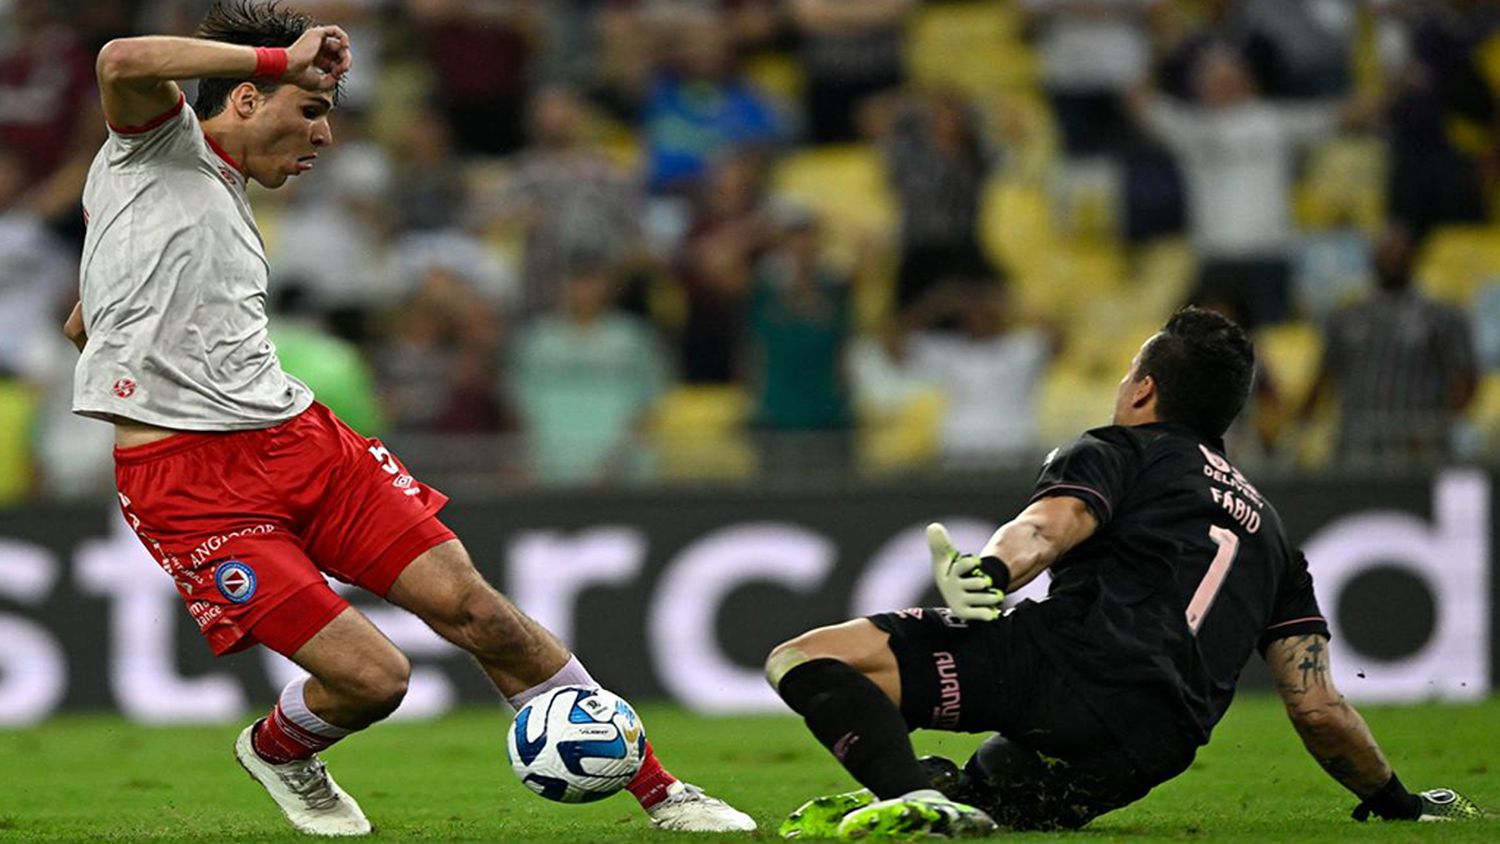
[(967, 590), (318, 58)]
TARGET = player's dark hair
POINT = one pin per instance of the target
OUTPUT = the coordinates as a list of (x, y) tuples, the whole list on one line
[(1203, 365), (254, 24)]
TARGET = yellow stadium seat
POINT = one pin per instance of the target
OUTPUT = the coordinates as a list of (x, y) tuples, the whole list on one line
[(1344, 182), (1291, 353), (18, 409), (1485, 412), (1457, 261), (976, 46), (847, 187), (1015, 225), (901, 439), (1163, 276), (700, 434), (778, 74), (1072, 401)]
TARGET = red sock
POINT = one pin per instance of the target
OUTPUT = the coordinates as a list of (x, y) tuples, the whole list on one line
[(650, 785), (278, 741)]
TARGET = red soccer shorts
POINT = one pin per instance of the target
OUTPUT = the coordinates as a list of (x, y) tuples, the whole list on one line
[(247, 523)]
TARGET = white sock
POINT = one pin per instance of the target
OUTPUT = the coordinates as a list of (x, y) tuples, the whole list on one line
[(294, 707), (571, 674)]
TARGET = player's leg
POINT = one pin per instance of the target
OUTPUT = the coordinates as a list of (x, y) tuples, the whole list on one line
[(850, 685), (357, 677), (844, 682), (523, 659)]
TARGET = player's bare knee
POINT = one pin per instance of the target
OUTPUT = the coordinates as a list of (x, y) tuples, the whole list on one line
[(794, 652), (380, 684)]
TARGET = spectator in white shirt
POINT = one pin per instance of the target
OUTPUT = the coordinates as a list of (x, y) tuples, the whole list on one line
[(1237, 153), (989, 372)]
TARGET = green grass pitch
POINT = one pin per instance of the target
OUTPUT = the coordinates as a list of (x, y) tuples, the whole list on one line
[(100, 779)]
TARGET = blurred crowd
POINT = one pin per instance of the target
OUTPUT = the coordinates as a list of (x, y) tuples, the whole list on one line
[(615, 241)]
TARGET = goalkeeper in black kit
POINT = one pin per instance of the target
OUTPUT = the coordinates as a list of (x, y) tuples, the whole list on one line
[(1168, 569)]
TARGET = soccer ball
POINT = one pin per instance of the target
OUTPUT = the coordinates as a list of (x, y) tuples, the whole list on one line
[(576, 744)]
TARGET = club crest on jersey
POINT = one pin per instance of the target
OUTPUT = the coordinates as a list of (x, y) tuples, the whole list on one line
[(123, 388), (236, 581)]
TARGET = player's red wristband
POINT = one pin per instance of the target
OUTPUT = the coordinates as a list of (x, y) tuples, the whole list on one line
[(270, 63)]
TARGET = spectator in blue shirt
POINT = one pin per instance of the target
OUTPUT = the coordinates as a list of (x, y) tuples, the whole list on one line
[(700, 108)]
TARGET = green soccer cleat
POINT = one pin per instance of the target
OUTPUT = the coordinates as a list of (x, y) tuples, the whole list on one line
[(916, 817), (1445, 804), (820, 816)]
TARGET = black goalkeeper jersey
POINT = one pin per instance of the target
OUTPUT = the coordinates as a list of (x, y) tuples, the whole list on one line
[(1152, 618)]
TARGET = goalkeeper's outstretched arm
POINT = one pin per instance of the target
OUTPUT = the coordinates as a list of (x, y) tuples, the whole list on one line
[(1336, 736), (1331, 729)]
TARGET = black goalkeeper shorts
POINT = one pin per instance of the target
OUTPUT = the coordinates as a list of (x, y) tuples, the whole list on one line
[(1061, 766)]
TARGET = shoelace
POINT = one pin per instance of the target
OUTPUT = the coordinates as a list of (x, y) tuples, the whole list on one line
[(311, 783), (692, 794)]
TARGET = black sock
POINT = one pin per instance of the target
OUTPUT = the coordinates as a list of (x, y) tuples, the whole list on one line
[(854, 719)]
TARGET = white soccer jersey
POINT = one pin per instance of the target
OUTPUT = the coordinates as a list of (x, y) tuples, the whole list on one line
[(173, 285)]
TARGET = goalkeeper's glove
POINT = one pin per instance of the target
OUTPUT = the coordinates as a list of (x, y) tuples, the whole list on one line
[(973, 588), (1394, 803)]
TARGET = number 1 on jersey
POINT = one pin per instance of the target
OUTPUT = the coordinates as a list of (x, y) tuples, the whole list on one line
[(1218, 571)]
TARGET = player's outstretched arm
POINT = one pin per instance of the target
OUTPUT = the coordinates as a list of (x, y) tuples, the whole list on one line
[(136, 75), (974, 587), (1335, 734), (1331, 729), (1047, 529)]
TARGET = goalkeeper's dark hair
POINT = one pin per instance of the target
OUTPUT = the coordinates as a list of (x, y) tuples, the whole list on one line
[(254, 24), (1203, 365)]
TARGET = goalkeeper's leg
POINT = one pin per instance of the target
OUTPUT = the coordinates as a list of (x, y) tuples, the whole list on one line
[(861, 687)]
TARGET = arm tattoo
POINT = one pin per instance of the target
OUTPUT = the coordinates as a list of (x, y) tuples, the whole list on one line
[(1309, 657)]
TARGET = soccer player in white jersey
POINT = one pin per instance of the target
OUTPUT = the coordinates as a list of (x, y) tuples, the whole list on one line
[(246, 490)]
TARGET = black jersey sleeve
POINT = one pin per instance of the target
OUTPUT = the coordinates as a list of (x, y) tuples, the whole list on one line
[(1097, 468), (1296, 612)]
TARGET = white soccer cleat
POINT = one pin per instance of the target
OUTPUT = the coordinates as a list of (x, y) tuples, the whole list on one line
[(304, 791), (687, 808)]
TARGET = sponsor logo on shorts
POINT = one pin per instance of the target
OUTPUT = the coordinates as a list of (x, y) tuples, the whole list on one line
[(950, 694), (207, 548), (123, 388), (236, 581)]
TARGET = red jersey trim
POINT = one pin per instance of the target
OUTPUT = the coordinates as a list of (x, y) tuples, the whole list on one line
[(218, 150), (153, 122)]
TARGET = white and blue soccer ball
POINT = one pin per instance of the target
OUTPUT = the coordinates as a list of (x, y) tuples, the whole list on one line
[(576, 744)]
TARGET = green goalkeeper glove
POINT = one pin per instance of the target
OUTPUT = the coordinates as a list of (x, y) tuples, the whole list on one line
[(967, 588), (1394, 803)]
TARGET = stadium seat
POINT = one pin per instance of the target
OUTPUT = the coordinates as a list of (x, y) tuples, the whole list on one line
[(18, 409), (975, 45), (700, 434), (1343, 183), (846, 186), (778, 74), (1291, 354), (1485, 412), (900, 439), (1072, 401), (1457, 261)]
